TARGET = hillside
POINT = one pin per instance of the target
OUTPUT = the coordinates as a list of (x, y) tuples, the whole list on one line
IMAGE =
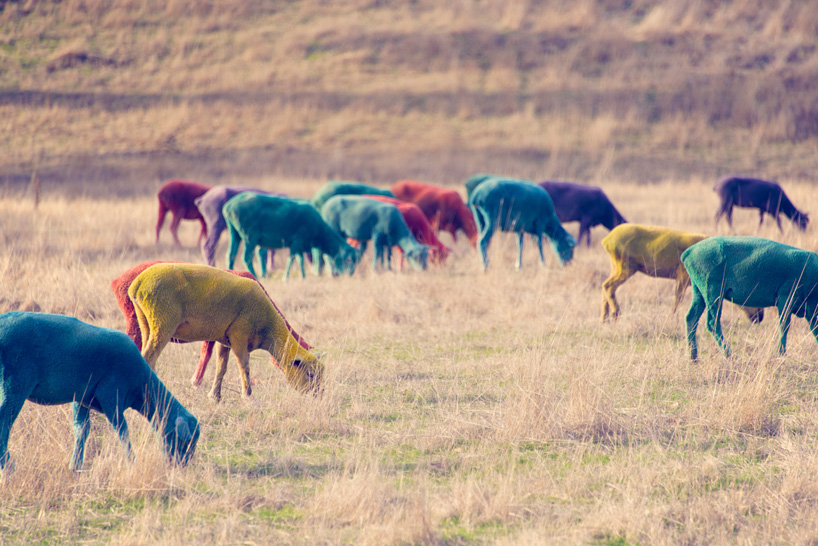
[(121, 95)]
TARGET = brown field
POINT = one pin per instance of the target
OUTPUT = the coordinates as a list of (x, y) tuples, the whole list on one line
[(461, 407)]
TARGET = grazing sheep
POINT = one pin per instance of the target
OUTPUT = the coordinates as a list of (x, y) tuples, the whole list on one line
[(522, 207), (178, 196), (201, 303), (210, 205), (268, 221), (474, 181), (333, 188), (443, 207), (760, 194), (654, 251), (362, 219), (587, 205), (750, 271), (122, 283), (419, 226), (54, 359)]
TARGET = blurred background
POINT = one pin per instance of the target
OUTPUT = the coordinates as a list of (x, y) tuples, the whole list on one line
[(108, 98)]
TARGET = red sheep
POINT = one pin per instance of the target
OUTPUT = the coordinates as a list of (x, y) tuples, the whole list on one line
[(120, 286), (177, 196), (443, 207), (418, 225)]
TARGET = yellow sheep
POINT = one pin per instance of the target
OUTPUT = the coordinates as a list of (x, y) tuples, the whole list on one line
[(654, 251), (191, 302)]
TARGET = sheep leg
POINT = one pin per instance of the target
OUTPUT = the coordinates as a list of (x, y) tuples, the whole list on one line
[(243, 357), (486, 229), (300, 258), (261, 252), (784, 305), (519, 264), (82, 426), (247, 258), (214, 233), (10, 406), (697, 307), (221, 369), (157, 335), (116, 416), (317, 261), (289, 265), (538, 240), (584, 231), (715, 303), (174, 226), (204, 358), (160, 221), (620, 272)]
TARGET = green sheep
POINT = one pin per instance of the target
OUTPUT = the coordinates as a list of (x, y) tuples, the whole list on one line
[(753, 272)]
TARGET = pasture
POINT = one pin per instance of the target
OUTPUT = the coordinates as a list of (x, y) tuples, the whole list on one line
[(460, 407)]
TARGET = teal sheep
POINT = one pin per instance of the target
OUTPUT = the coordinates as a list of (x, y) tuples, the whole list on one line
[(522, 207), (754, 272), (54, 359), (269, 221), (333, 188), (361, 218)]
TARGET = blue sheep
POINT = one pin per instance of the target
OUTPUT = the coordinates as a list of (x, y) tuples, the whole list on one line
[(522, 207), (362, 219), (54, 359)]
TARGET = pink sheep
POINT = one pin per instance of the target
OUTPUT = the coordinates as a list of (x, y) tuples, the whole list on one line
[(177, 196)]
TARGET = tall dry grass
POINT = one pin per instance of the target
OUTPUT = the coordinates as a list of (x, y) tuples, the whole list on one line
[(385, 90), (461, 407)]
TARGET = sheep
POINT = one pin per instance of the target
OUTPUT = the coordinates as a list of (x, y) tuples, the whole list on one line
[(760, 194), (192, 302), (419, 226), (654, 251), (443, 207), (120, 286), (522, 207), (362, 219), (333, 188), (178, 196), (55, 359), (750, 271), (210, 205), (269, 221), (587, 205)]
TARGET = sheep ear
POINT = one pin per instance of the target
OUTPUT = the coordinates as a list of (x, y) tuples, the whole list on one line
[(182, 429)]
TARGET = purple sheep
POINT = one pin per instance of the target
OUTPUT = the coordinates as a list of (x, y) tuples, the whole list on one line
[(210, 206), (760, 194), (587, 205)]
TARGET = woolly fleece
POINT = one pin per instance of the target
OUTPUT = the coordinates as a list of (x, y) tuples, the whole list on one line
[(201, 303), (522, 207), (750, 271), (268, 221), (122, 283), (364, 219), (54, 359), (333, 188)]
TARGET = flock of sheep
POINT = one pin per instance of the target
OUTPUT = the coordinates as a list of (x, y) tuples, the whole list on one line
[(109, 371)]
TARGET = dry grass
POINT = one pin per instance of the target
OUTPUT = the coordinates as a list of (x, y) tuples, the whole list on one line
[(384, 90), (461, 408)]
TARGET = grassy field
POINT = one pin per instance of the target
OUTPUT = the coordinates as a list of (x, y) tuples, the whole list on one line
[(116, 96), (461, 407)]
